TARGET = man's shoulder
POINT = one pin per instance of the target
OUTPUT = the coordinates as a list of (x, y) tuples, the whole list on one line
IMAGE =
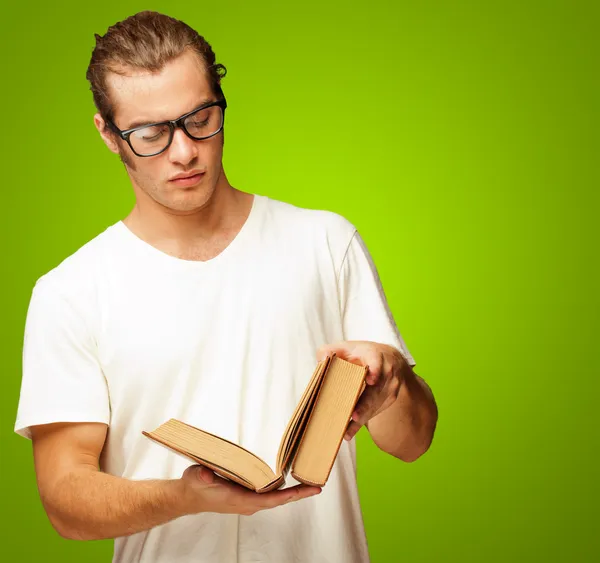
[(320, 222), (76, 273)]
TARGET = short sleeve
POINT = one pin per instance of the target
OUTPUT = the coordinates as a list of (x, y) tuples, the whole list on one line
[(365, 312), (62, 380)]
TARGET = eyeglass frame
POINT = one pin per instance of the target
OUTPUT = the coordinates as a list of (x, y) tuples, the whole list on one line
[(173, 124)]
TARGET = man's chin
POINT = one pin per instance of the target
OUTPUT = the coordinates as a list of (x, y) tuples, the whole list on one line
[(187, 203)]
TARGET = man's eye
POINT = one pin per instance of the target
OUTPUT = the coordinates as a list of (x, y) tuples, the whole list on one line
[(199, 123), (154, 137), (151, 134)]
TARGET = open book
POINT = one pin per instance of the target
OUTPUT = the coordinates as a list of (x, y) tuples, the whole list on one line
[(308, 446)]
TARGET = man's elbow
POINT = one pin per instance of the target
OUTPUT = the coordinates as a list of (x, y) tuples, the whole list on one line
[(412, 454), (68, 531), (65, 532), (414, 449)]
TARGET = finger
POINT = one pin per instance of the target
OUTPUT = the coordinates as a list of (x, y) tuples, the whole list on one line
[(352, 430), (283, 496), (200, 473), (375, 363), (205, 475), (340, 349), (209, 477), (370, 358), (376, 393), (367, 403)]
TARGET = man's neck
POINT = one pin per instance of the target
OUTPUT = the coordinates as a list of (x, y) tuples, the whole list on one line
[(200, 235)]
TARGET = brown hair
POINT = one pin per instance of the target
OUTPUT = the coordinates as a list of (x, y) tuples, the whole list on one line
[(147, 40)]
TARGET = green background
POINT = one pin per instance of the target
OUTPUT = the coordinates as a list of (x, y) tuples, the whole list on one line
[(461, 138)]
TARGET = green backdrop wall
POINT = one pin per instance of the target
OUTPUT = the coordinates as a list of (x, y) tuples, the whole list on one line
[(461, 138)]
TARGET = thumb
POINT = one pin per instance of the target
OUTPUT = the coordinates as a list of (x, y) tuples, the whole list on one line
[(204, 474)]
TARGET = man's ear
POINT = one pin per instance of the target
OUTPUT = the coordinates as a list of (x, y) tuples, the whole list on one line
[(106, 133)]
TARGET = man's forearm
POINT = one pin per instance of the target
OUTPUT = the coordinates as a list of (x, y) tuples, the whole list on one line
[(87, 504), (405, 429)]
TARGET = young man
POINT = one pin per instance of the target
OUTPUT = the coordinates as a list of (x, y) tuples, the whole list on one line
[(206, 304)]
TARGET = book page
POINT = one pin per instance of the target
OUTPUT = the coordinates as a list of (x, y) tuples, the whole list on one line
[(297, 423), (342, 386), (213, 451)]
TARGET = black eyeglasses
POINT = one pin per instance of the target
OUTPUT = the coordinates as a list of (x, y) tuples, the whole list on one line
[(153, 138)]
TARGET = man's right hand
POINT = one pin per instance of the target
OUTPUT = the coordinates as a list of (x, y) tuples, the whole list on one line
[(85, 503), (207, 492)]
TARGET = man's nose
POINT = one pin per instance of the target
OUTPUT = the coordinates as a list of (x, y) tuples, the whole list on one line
[(183, 149)]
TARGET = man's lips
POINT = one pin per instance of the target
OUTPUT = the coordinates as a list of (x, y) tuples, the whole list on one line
[(188, 180)]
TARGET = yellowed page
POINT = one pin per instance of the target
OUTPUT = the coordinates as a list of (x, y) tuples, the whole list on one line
[(211, 449), (300, 416), (342, 386)]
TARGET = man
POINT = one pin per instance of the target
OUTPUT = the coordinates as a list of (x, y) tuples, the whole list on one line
[(206, 304)]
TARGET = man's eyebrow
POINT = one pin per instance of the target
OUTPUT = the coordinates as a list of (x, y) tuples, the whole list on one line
[(140, 122)]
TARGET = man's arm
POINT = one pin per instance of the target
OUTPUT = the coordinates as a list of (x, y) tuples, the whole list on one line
[(397, 406), (84, 503), (405, 429)]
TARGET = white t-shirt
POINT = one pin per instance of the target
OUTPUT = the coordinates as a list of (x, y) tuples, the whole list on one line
[(124, 334)]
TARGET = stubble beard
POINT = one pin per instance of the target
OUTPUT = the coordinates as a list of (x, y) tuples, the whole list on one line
[(126, 158), (161, 196), (173, 199)]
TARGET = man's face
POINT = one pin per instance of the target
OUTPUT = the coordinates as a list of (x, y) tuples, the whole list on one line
[(143, 97)]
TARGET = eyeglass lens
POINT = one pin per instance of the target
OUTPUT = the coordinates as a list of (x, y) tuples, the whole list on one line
[(154, 138)]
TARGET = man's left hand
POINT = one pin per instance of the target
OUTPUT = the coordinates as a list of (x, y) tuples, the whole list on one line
[(386, 371)]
